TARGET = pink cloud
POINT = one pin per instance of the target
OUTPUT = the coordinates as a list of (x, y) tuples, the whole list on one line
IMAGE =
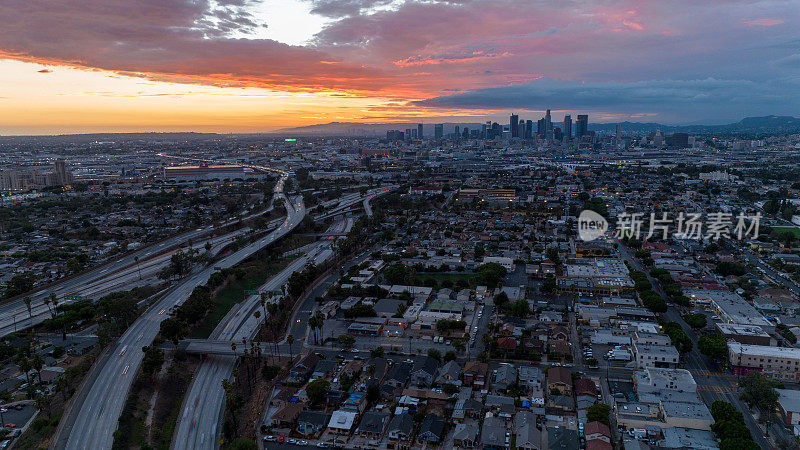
[(414, 50), (764, 22)]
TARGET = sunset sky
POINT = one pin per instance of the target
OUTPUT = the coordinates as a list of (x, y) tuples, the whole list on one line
[(248, 66)]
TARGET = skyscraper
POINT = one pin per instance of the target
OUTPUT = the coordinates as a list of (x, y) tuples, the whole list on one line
[(582, 125), (60, 170), (528, 129), (419, 130), (497, 130), (512, 126), (438, 130), (568, 126)]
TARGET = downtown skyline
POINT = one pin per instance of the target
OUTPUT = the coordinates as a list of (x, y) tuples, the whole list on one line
[(249, 66)]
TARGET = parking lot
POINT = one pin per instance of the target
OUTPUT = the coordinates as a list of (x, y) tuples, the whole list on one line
[(17, 417)]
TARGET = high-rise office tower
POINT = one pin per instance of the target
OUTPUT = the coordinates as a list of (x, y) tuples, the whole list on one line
[(548, 125), (457, 132), (465, 133), (568, 126), (497, 130), (582, 125), (419, 130), (408, 134), (438, 130), (60, 170), (540, 128), (512, 126), (528, 129)]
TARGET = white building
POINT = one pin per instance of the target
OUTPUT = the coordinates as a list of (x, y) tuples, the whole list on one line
[(651, 355)]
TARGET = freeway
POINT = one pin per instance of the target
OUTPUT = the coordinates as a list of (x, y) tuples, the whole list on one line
[(203, 404), (351, 199), (92, 417), (114, 275)]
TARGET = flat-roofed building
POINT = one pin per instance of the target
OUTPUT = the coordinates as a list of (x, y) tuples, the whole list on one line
[(774, 362), (733, 308), (207, 172), (650, 355), (654, 379), (745, 334)]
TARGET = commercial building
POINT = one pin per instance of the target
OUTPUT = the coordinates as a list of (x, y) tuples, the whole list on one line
[(781, 363), (746, 334), (649, 355), (205, 172)]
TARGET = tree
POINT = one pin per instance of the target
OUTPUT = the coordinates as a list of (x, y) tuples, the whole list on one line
[(520, 308), (714, 346), (758, 391), (317, 390), (152, 361), (598, 412), (290, 341), (37, 363), (435, 354), (24, 365), (738, 444), (28, 302), (490, 274), (20, 284), (373, 393), (377, 352), (696, 320), (449, 356), (553, 256), (242, 443), (721, 410), (172, 329), (501, 299), (450, 389), (345, 340)]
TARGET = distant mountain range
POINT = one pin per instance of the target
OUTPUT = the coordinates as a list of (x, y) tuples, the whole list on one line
[(749, 125)]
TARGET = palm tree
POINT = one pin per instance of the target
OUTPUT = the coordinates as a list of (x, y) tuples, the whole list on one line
[(233, 347), (28, 301), (290, 341), (320, 321), (312, 324), (48, 301), (37, 363), (24, 365), (136, 258), (263, 301)]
